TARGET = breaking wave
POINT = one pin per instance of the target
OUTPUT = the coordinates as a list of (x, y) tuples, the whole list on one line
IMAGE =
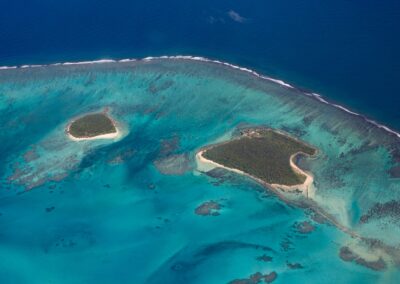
[(204, 59)]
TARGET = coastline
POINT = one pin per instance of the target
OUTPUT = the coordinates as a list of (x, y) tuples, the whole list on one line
[(204, 59), (99, 137), (388, 253), (204, 163), (115, 135), (306, 185)]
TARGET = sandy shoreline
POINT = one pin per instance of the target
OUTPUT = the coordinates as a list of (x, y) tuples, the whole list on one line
[(306, 185), (114, 135), (206, 164)]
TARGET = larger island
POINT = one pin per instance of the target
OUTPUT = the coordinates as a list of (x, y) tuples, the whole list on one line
[(264, 154)]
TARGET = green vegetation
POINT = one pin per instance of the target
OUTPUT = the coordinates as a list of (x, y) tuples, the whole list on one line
[(262, 153), (92, 125)]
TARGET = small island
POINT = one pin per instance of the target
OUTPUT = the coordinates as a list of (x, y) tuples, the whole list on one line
[(265, 155), (92, 126)]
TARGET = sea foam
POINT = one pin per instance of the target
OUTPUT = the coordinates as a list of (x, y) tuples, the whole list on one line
[(204, 59)]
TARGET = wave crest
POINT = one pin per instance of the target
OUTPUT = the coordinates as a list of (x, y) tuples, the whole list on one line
[(204, 59)]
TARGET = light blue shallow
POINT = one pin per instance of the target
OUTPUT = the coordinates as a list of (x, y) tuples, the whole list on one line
[(102, 212)]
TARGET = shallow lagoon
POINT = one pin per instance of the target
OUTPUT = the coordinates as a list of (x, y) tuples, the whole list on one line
[(123, 211)]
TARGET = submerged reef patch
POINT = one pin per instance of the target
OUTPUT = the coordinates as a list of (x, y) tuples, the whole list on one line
[(305, 227), (294, 265), (265, 258), (346, 254), (381, 210), (174, 164), (208, 208), (257, 278), (119, 156)]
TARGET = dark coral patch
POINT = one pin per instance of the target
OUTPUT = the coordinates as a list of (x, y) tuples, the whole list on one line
[(120, 156), (395, 172), (265, 258), (305, 227), (381, 210), (346, 254), (157, 87), (294, 265), (49, 209), (208, 208), (256, 278), (30, 155), (168, 146), (173, 164)]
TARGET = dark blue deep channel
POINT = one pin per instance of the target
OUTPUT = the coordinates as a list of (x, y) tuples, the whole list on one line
[(346, 50)]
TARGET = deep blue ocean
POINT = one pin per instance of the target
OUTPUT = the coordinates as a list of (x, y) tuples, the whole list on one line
[(348, 51), (144, 206)]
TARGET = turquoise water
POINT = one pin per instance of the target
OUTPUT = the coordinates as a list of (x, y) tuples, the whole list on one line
[(123, 211)]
